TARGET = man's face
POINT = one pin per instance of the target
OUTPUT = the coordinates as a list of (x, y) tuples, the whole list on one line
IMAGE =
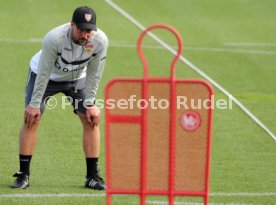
[(80, 36)]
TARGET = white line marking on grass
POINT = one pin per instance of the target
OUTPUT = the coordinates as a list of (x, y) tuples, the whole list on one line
[(193, 67), (262, 52), (197, 203), (121, 44), (64, 195), (29, 40), (61, 195), (244, 194), (208, 49), (70, 195), (253, 44)]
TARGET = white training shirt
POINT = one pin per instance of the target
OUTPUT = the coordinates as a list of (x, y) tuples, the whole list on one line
[(61, 60)]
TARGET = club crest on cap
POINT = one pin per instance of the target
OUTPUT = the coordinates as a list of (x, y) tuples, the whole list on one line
[(88, 17)]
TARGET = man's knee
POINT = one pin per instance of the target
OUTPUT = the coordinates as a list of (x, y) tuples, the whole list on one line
[(29, 129)]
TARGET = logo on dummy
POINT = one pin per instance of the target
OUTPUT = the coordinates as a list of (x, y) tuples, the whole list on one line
[(190, 120)]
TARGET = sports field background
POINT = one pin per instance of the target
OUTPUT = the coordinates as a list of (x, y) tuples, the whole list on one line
[(233, 41)]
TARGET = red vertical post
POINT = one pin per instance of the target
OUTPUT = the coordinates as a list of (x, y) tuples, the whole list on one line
[(172, 141), (143, 180), (172, 111), (173, 117), (144, 145), (108, 199), (107, 148), (208, 155)]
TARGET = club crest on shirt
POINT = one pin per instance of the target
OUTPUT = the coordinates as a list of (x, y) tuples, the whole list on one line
[(88, 17), (89, 48)]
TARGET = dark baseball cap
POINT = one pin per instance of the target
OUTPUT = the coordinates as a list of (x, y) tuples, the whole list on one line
[(85, 18)]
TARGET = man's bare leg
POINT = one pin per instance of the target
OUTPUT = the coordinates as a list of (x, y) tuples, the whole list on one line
[(91, 148), (27, 143)]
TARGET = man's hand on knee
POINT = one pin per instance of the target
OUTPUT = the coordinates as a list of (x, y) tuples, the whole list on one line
[(93, 116), (32, 116)]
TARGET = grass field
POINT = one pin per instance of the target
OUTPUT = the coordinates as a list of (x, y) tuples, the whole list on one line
[(233, 41)]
